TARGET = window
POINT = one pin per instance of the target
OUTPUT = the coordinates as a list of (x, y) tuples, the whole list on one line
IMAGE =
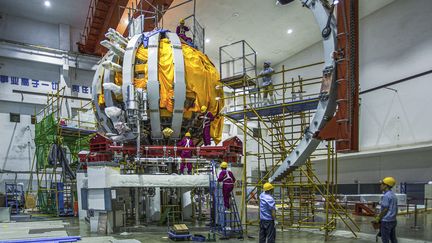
[(227, 128), (239, 132), (256, 133), (14, 117)]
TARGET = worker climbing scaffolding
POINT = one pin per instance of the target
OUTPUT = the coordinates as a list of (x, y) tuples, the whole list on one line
[(227, 179), (225, 218)]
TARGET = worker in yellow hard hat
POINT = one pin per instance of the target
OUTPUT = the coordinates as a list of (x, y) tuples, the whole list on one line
[(207, 118), (227, 178), (267, 214), (186, 154), (181, 31), (389, 210)]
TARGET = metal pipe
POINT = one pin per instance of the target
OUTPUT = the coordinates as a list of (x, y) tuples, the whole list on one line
[(137, 221), (174, 160)]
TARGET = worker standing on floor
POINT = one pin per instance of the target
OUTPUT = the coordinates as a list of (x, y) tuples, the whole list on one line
[(207, 118), (186, 154), (227, 178), (267, 82), (267, 231), (389, 210)]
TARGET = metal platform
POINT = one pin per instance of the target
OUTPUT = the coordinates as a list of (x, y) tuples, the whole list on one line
[(73, 131), (110, 177), (275, 109), (238, 81)]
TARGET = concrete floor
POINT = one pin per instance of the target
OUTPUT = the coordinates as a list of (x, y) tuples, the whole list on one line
[(72, 227)]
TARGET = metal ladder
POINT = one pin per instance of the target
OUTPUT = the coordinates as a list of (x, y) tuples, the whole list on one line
[(226, 223)]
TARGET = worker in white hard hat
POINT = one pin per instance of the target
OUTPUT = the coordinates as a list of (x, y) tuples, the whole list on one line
[(389, 210), (267, 215), (186, 154), (267, 82)]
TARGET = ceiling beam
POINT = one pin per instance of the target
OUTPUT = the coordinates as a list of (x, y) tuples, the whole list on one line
[(146, 5), (113, 14)]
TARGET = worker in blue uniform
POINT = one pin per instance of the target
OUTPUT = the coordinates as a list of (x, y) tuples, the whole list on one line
[(267, 82), (267, 231), (389, 209)]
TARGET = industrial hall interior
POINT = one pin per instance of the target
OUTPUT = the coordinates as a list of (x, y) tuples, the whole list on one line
[(215, 121)]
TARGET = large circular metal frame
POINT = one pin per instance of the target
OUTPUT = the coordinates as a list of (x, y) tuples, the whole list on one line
[(327, 103)]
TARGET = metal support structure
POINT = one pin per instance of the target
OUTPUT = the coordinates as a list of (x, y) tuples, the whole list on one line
[(179, 85), (33, 53), (292, 148), (55, 193), (327, 103), (153, 86)]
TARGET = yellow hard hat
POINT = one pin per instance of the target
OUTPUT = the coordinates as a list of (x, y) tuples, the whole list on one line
[(203, 108), (268, 186), (389, 181), (187, 134), (167, 132), (224, 165), (182, 21)]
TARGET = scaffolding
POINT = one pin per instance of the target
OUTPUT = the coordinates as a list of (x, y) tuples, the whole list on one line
[(303, 199), (58, 141)]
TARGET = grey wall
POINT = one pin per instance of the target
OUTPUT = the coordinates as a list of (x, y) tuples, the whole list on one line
[(17, 138), (58, 36)]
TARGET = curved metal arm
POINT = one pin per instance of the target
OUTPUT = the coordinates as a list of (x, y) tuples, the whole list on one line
[(327, 104)]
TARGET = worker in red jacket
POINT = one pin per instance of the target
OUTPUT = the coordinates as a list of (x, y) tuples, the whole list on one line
[(186, 154), (227, 178)]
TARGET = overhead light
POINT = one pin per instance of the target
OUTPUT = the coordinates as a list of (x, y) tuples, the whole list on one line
[(207, 40), (289, 31), (335, 2), (47, 4), (283, 2)]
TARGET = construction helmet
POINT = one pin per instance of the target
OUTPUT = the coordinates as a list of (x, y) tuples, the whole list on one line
[(182, 21), (389, 181), (167, 132), (203, 108), (187, 134), (268, 186), (267, 63), (224, 165)]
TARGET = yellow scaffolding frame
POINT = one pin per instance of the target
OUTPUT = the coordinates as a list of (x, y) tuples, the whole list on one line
[(296, 195), (48, 175)]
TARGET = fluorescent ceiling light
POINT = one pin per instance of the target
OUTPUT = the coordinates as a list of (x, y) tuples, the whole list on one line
[(207, 40), (47, 4), (289, 31)]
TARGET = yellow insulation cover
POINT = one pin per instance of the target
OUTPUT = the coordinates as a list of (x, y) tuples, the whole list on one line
[(201, 79)]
